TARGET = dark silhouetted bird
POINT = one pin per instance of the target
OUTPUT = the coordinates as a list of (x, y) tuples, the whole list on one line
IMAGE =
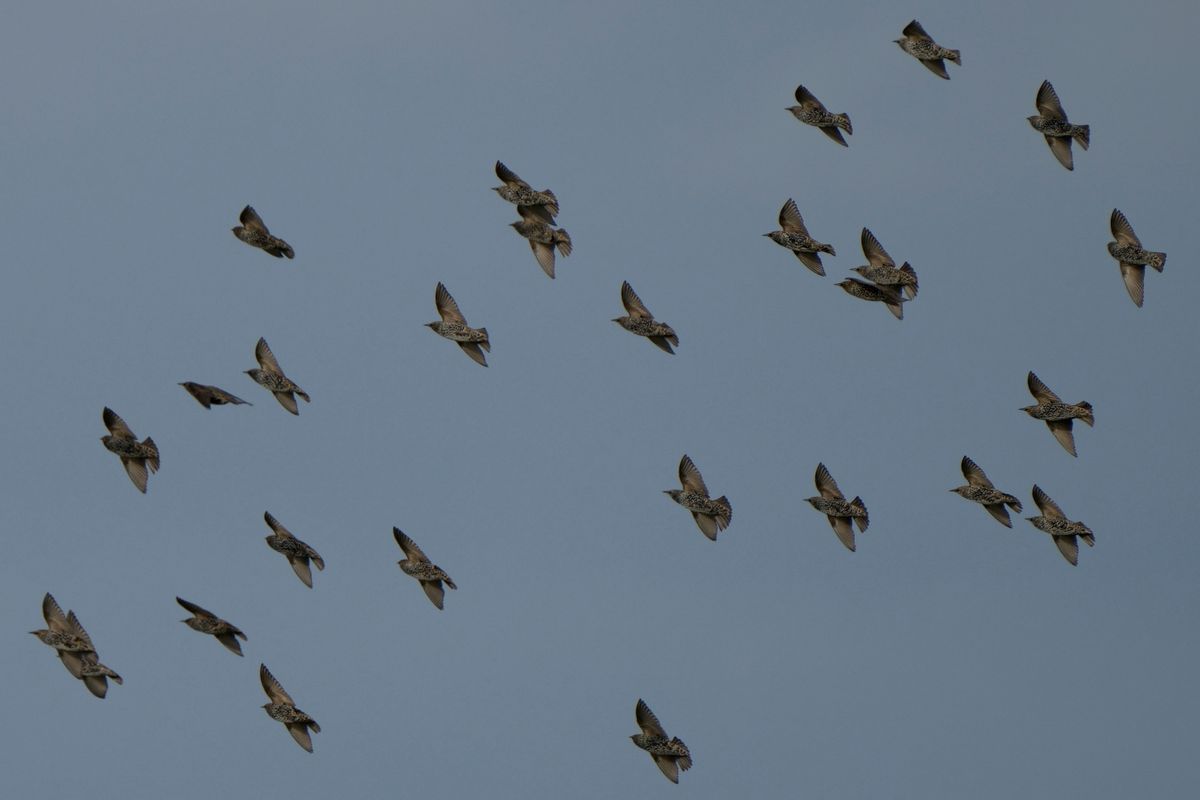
[(209, 396), (1066, 533), (669, 753), (454, 327), (282, 708), (1127, 250), (1056, 414), (253, 231), (812, 112), (418, 565), (882, 271), (794, 236), (136, 456), (1051, 122), (271, 378), (542, 205), (980, 490), (887, 295), (298, 553), (711, 515), (840, 512), (207, 622), (641, 322), (918, 44), (542, 239)]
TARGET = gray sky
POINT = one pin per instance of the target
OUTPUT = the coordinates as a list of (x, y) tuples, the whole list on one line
[(948, 657)]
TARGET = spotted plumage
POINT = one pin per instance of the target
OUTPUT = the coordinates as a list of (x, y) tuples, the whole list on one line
[(297, 552), (1056, 414), (542, 239), (882, 270), (418, 565), (1051, 121), (840, 512), (453, 326), (270, 376), (711, 515), (887, 295), (812, 112), (979, 489), (669, 753), (135, 456), (1128, 251), (282, 708), (542, 206), (95, 676), (66, 635), (642, 323), (1066, 532), (253, 231), (918, 44), (794, 236), (209, 396), (207, 622)]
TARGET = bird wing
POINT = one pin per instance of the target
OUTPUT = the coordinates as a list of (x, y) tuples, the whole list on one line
[(508, 176), (974, 474), (116, 426), (195, 609), (874, 251), (275, 526), (1048, 507), (633, 304), (1040, 391), (826, 485), (1048, 104), (446, 306), (689, 476), (1122, 230), (647, 721), (266, 359), (250, 218), (409, 547), (790, 219), (913, 30), (272, 687), (807, 99)]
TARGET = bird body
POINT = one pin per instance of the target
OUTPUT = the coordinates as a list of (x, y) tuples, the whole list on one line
[(670, 754), (1051, 121), (541, 205), (793, 235), (253, 231), (887, 295), (1133, 258), (205, 621), (270, 376), (209, 396), (283, 709), (1066, 532), (543, 239), (711, 515), (1056, 414), (418, 565), (842, 514), (918, 44), (640, 322), (979, 489), (135, 456), (811, 111), (298, 554), (453, 326)]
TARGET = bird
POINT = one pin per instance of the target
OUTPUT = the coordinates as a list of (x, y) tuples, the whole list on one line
[(542, 239), (135, 456), (1056, 414), (832, 503), (1127, 250), (812, 112), (921, 46), (282, 708), (207, 622), (1066, 532), (882, 271), (1051, 122), (794, 236), (979, 489), (670, 754), (418, 565), (66, 635), (298, 553), (542, 205), (711, 515), (209, 396), (453, 326), (642, 323), (271, 378), (253, 231), (887, 295), (95, 675)]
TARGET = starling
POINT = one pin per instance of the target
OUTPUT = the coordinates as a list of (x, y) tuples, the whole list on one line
[(1127, 250), (980, 490), (209, 396), (794, 236), (711, 515), (298, 553), (68, 638), (542, 239), (418, 565), (454, 327), (271, 378), (812, 112), (542, 206), (253, 231), (887, 295), (641, 322), (1057, 414), (95, 675), (1052, 122), (832, 503), (135, 456), (882, 271), (208, 622), (282, 708), (1066, 532), (670, 754), (918, 44)]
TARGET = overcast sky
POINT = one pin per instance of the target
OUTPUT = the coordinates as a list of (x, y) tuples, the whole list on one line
[(947, 657)]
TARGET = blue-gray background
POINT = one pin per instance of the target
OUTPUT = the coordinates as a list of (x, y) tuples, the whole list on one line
[(948, 657)]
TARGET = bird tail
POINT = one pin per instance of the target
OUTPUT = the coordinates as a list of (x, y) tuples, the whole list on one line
[(1083, 135), (151, 461), (1086, 415), (954, 56), (303, 395), (843, 122), (1157, 260), (726, 515), (863, 521), (485, 344), (911, 291), (563, 240)]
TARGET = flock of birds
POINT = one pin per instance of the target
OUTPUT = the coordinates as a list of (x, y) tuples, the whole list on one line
[(883, 282)]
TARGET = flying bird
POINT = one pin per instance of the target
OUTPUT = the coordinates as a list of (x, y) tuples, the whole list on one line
[(1056, 414), (1127, 250), (253, 231), (1066, 532), (812, 112), (887, 295), (669, 753), (207, 622), (66, 635), (282, 708), (298, 553), (882, 271), (542, 239), (642, 323), (454, 327), (270, 376), (209, 396), (711, 515), (921, 46), (542, 206), (979, 489), (1051, 122), (840, 512), (135, 456), (418, 565), (794, 236)]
